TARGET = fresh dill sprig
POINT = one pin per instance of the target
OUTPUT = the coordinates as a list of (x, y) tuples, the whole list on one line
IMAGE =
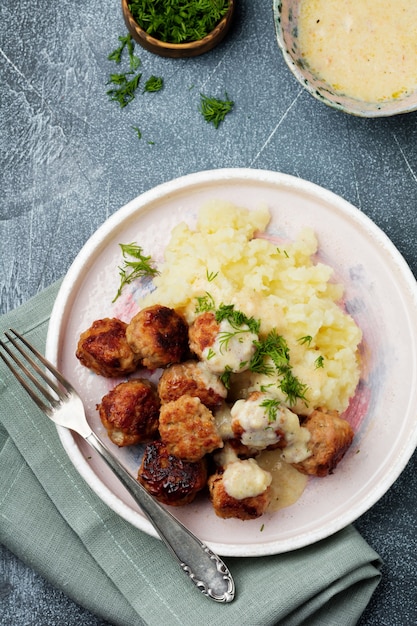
[(210, 354), (237, 319), (225, 377), (137, 268), (205, 303), (215, 110), (117, 54), (178, 21), (275, 348), (126, 87), (125, 92), (307, 339), (211, 275), (292, 387), (154, 83), (271, 405), (319, 362)]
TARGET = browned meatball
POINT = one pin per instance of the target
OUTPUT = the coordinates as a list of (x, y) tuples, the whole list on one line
[(169, 479), (330, 437), (194, 379), (188, 429), (130, 412), (226, 506), (203, 332), (103, 348), (223, 346), (159, 336)]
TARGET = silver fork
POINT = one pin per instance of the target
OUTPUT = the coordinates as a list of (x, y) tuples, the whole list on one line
[(62, 405)]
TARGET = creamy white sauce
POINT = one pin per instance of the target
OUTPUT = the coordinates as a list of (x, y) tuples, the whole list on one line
[(231, 349), (260, 429), (297, 449), (245, 479), (210, 380), (226, 455), (259, 432), (366, 49)]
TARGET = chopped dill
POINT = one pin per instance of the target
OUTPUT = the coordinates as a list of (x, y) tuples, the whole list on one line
[(138, 131), (271, 405), (205, 303), (215, 110), (237, 319), (319, 362), (307, 339), (154, 83), (125, 84), (116, 55), (137, 268), (275, 348), (225, 377), (178, 21), (210, 354), (292, 387), (211, 275), (126, 89)]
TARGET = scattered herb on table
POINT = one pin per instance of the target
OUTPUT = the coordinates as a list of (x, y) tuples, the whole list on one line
[(178, 21), (139, 267), (138, 131), (125, 84), (125, 91), (116, 55), (214, 110), (154, 83)]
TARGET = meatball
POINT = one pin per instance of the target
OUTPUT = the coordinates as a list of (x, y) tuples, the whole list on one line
[(130, 412), (330, 437), (258, 421), (159, 336), (194, 379), (223, 346), (227, 506), (169, 479), (104, 349), (188, 429)]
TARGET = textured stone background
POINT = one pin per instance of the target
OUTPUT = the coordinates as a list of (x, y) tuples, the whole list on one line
[(69, 158)]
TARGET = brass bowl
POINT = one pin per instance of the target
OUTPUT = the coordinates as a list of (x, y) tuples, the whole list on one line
[(177, 50)]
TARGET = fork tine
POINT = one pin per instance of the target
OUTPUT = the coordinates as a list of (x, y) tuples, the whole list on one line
[(66, 385), (23, 367), (21, 380)]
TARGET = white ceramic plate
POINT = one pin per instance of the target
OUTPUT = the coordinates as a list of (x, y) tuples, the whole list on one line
[(381, 294)]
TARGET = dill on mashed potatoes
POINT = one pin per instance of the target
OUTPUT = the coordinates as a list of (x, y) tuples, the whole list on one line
[(284, 288)]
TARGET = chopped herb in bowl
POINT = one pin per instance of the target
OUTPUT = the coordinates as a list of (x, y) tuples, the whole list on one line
[(178, 21)]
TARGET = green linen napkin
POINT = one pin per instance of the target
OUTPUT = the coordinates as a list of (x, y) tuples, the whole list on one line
[(52, 520)]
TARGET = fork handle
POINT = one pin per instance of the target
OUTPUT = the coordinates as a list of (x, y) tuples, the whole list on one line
[(206, 570)]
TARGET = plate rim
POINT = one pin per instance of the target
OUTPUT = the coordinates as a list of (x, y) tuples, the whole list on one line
[(98, 239)]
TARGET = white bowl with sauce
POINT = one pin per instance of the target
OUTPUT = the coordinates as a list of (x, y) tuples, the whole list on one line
[(357, 57)]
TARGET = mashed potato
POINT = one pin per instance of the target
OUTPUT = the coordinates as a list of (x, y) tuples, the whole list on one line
[(228, 257)]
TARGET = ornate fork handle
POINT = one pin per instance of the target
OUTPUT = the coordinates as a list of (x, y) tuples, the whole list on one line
[(206, 570)]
